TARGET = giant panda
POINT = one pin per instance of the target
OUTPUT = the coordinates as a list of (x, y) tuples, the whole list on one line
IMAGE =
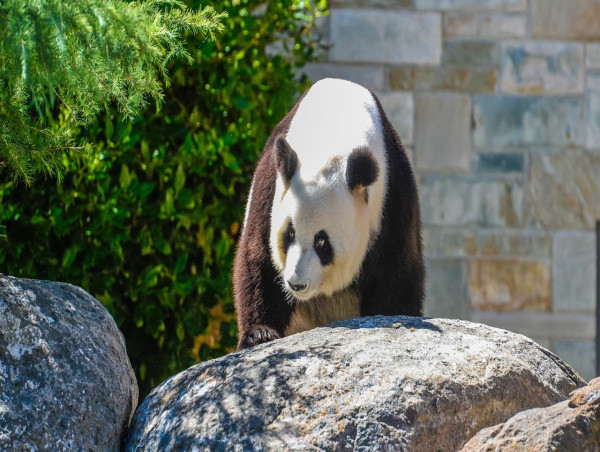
[(332, 225)]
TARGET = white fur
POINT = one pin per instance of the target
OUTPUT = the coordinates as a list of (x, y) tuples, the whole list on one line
[(321, 311), (333, 119)]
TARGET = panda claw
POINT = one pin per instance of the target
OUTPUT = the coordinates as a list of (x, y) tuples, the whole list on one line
[(258, 335)]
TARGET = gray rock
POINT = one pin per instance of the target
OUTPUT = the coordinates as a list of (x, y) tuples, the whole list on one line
[(66, 381), (571, 425), (375, 383)]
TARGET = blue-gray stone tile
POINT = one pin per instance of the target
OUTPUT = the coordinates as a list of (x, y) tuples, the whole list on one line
[(574, 271), (390, 37), (581, 355), (512, 162), (471, 53), (495, 5), (447, 292), (506, 122), (542, 67), (458, 201)]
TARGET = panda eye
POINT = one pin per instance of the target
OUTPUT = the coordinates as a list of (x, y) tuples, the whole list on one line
[(288, 236), (323, 247)]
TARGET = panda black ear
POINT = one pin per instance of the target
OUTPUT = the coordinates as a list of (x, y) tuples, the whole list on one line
[(286, 159), (361, 170)]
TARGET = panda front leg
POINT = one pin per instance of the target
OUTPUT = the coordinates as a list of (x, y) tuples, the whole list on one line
[(263, 312), (258, 334)]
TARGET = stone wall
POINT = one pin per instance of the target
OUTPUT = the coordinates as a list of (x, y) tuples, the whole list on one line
[(498, 104)]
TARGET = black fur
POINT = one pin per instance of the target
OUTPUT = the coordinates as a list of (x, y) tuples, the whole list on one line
[(391, 280), (392, 277), (323, 248), (286, 159), (361, 170)]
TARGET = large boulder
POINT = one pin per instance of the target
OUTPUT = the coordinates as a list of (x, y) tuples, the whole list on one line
[(65, 380), (376, 383), (571, 425)]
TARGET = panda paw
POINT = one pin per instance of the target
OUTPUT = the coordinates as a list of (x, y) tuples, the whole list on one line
[(258, 335)]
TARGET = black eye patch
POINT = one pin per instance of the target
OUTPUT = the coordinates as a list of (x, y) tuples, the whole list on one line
[(323, 248), (289, 236)]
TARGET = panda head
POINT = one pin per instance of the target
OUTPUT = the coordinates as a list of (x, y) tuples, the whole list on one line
[(320, 227)]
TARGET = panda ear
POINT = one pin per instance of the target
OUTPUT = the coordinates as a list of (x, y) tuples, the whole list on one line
[(361, 170), (286, 159)]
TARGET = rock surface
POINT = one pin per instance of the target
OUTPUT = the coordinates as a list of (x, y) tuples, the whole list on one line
[(376, 383), (66, 382), (571, 425)]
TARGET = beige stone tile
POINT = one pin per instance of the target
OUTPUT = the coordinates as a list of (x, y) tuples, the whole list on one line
[(565, 20), (510, 285)]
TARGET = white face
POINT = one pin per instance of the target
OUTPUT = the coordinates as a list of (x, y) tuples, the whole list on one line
[(319, 236)]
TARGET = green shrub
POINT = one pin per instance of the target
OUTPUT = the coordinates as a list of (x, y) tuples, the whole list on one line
[(147, 220), (80, 56)]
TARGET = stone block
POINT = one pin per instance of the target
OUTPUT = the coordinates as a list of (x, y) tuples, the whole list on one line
[(442, 78), (534, 67), (400, 110), (510, 285), (592, 81), (581, 355), (494, 5), (511, 244), (471, 53), (592, 51), (564, 188), (566, 20), (507, 122), (485, 25), (390, 37), (550, 325), (448, 243), (442, 137), (369, 76), (500, 163), (447, 289), (574, 271), (515, 244), (592, 119), (378, 3), (450, 201)]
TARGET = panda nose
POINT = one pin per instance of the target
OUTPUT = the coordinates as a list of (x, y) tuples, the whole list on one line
[(297, 287)]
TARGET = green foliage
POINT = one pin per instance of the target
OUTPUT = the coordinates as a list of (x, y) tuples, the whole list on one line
[(73, 58), (147, 220)]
